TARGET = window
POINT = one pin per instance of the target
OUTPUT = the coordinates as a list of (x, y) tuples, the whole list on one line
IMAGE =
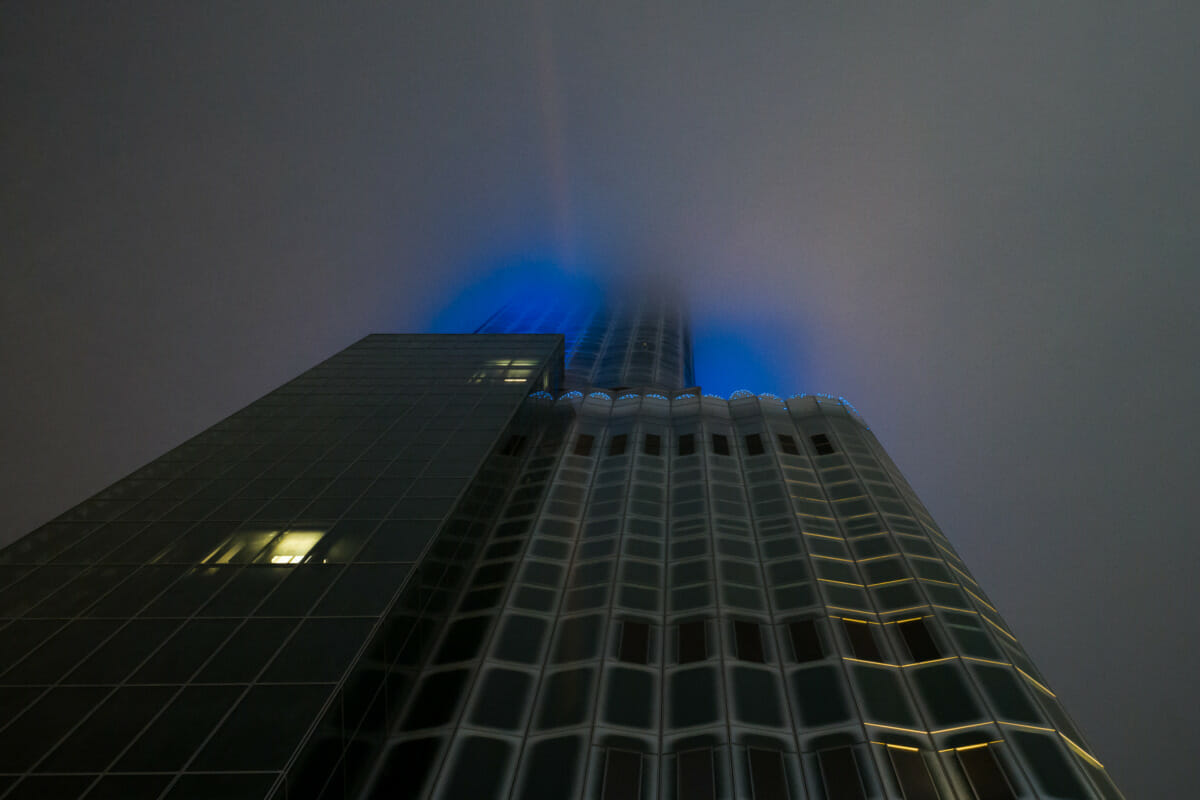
[(912, 774), (754, 444), (767, 780), (862, 640), (787, 444), (687, 444), (583, 445), (695, 775), (720, 444), (823, 445), (806, 642), (635, 642), (839, 771), (616, 445), (693, 642), (513, 446), (748, 639), (984, 773), (918, 640), (622, 775), (653, 444)]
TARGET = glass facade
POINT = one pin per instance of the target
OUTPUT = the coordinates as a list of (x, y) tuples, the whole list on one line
[(519, 566)]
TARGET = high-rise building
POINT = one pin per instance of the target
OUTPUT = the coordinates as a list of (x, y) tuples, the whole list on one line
[(530, 562)]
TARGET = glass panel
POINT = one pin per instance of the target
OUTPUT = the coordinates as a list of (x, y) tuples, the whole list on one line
[(806, 642), (839, 771), (693, 642), (622, 775), (984, 774), (767, 780), (695, 768), (748, 640), (912, 774), (551, 769), (635, 642), (862, 640), (918, 640)]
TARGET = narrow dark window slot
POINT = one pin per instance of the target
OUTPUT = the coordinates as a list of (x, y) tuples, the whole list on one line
[(616, 445), (583, 445), (513, 446), (862, 640), (839, 771), (687, 444), (806, 641), (693, 642), (653, 444), (622, 775), (984, 774), (720, 444), (918, 640), (767, 780), (748, 638), (787, 444), (635, 642), (695, 772), (912, 774), (754, 444), (823, 445)]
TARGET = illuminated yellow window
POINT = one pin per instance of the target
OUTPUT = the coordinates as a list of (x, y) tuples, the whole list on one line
[(241, 547), (290, 547)]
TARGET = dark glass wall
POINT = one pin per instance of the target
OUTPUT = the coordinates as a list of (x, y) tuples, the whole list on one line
[(232, 619)]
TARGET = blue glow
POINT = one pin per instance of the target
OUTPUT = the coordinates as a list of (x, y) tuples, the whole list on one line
[(732, 353), (600, 396), (571, 396), (741, 394), (629, 397), (525, 282), (686, 397), (661, 397)]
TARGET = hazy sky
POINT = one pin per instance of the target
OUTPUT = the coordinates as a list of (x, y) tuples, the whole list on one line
[(978, 222)]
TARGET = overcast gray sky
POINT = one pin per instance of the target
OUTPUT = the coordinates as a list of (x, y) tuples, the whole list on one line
[(978, 222)]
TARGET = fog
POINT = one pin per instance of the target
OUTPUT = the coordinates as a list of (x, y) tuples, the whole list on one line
[(978, 224)]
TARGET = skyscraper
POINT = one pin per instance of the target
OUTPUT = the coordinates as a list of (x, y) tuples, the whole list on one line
[(531, 562)]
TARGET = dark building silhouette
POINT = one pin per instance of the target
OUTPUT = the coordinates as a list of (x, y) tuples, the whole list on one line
[(531, 562)]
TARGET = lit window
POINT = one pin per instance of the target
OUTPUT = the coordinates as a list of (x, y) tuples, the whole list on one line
[(241, 547), (290, 547)]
